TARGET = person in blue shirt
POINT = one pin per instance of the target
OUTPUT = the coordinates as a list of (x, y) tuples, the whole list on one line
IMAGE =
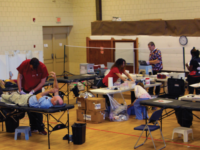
[(37, 101)]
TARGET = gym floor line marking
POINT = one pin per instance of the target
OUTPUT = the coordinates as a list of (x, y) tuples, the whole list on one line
[(132, 135), (142, 137)]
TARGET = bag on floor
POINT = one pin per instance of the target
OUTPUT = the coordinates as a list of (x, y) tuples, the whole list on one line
[(118, 112), (12, 118), (184, 117)]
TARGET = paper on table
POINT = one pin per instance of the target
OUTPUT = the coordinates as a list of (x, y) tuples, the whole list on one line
[(196, 97), (162, 101), (195, 85)]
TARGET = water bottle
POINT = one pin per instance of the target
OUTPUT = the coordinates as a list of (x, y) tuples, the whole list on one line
[(70, 137), (10, 74)]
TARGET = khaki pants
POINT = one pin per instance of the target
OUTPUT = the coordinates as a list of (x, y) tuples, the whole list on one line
[(16, 98)]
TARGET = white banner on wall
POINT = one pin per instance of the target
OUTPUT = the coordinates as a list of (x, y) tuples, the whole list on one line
[(3, 66), (14, 62), (124, 50), (12, 59)]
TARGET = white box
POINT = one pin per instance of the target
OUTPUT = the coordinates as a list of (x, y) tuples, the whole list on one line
[(177, 75), (86, 68)]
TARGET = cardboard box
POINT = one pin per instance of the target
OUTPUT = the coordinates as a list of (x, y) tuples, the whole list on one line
[(81, 102), (95, 116), (91, 116), (80, 113), (95, 104)]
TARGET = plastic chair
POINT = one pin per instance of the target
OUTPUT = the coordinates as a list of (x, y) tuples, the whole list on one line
[(23, 129), (153, 119)]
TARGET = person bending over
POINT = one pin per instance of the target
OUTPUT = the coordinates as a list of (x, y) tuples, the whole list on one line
[(32, 75), (37, 101), (140, 94), (116, 72)]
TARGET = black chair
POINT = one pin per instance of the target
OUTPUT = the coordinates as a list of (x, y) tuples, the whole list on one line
[(153, 119)]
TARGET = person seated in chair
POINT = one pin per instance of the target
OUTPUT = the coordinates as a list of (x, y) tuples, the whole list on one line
[(37, 101), (140, 94)]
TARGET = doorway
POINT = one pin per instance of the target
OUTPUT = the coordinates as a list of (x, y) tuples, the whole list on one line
[(54, 39)]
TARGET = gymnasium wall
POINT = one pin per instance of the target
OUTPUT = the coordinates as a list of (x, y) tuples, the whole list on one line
[(132, 10), (84, 12), (18, 32), (17, 29)]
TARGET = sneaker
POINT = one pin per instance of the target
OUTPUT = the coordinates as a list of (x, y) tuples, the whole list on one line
[(43, 132), (34, 131)]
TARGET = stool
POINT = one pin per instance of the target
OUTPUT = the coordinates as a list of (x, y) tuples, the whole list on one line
[(23, 129), (184, 131), (146, 69)]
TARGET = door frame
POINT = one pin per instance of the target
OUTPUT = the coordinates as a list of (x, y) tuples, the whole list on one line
[(112, 41)]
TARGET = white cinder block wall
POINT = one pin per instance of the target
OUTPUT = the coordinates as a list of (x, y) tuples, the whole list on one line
[(17, 29), (18, 32), (129, 10), (84, 12)]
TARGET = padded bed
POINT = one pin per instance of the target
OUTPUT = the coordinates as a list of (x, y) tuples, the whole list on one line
[(47, 112)]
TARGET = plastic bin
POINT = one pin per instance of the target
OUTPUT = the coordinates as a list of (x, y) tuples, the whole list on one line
[(78, 130)]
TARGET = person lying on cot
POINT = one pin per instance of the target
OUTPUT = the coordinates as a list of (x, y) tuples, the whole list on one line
[(141, 94), (37, 101)]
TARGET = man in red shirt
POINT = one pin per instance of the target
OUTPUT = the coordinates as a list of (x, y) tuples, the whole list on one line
[(32, 75)]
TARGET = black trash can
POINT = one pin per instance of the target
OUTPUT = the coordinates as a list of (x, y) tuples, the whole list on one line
[(11, 124), (78, 131)]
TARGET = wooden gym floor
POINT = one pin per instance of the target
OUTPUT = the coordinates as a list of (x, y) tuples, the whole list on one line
[(104, 136)]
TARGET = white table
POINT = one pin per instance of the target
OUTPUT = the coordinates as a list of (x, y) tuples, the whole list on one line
[(190, 97), (105, 91), (152, 85), (108, 91), (138, 76)]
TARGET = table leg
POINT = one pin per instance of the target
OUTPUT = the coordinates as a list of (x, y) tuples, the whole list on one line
[(68, 92), (146, 119), (48, 130)]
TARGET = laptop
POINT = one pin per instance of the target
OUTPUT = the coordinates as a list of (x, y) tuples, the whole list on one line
[(142, 62)]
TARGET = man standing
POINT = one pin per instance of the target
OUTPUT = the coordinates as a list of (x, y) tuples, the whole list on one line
[(32, 75), (155, 59)]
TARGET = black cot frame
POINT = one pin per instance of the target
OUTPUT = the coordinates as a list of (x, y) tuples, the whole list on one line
[(47, 112), (173, 104), (14, 89), (75, 78)]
